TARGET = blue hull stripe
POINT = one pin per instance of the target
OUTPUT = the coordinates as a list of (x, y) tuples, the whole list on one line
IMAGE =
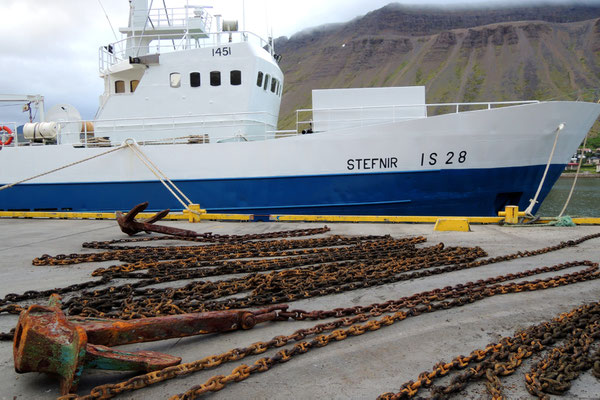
[(442, 192)]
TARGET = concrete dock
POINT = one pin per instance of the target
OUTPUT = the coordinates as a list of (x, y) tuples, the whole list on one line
[(360, 367)]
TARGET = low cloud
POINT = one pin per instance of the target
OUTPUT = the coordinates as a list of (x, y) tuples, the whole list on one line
[(51, 48)]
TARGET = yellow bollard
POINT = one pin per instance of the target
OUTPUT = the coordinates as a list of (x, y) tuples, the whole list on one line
[(194, 211), (511, 214)]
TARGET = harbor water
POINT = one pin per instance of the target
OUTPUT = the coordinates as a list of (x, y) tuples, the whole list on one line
[(585, 201)]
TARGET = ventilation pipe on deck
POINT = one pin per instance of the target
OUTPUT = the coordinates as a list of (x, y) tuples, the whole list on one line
[(219, 28), (219, 25)]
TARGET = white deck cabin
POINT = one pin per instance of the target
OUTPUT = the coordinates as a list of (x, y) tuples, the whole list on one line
[(172, 77)]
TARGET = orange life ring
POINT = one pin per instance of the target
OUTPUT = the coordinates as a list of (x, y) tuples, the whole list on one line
[(10, 137)]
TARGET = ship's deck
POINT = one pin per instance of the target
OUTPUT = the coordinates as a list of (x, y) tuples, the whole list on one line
[(358, 367)]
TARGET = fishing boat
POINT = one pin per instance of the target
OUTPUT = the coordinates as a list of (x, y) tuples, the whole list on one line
[(191, 102)]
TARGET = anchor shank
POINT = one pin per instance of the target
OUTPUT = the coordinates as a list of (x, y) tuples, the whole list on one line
[(167, 230), (115, 333)]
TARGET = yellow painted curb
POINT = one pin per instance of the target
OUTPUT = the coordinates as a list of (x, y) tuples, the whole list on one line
[(455, 225), (199, 214), (377, 218), (109, 215)]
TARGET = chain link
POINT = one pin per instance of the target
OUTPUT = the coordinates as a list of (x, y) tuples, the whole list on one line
[(425, 302), (301, 268)]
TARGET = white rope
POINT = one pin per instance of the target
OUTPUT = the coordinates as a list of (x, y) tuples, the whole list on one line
[(140, 152), (574, 180), (158, 173), (533, 202), (60, 168)]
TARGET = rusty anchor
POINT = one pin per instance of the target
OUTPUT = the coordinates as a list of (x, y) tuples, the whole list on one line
[(130, 226), (47, 341)]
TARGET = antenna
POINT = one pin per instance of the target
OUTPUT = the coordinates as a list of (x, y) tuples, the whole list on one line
[(144, 30), (244, 14), (269, 28), (266, 4), (108, 19)]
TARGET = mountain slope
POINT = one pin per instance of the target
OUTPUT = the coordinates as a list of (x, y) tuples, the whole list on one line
[(445, 51)]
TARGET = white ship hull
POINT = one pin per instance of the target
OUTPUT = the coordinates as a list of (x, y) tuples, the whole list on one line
[(468, 163)]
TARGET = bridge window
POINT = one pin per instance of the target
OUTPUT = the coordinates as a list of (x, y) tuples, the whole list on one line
[(259, 79), (273, 85), (133, 85), (195, 79), (266, 82), (215, 78), (175, 79), (235, 77), (119, 86)]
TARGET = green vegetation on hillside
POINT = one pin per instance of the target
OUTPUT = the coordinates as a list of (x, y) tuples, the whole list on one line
[(474, 84)]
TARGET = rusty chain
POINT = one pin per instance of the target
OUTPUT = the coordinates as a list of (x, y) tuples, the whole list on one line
[(207, 237), (425, 302), (299, 268), (579, 328), (286, 284)]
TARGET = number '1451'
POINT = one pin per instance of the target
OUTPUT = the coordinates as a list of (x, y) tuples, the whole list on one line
[(221, 51)]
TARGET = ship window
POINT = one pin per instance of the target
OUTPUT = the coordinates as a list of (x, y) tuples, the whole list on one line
[(175, 79), (133, 85), (273, 85), (259, 79), (195, 79), (266, 82), (235, 77), (119, 86), (215, 78)]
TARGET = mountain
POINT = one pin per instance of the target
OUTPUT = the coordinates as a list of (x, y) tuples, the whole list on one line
[(461, 55)]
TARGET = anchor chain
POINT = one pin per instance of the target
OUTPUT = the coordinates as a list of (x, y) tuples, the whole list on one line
[(425, 302), (579, 328), (207, 237), (350, 264), (284, 285), (299, 268)]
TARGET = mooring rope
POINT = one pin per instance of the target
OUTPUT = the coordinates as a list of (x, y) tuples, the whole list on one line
[(162, 177), (533, 202), (61, 168), (574, 180), (135, 148)]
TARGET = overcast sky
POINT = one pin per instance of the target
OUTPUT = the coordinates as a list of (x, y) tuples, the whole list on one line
[(50, 47)]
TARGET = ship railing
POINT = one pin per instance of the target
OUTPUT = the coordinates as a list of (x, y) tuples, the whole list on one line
[(134, 46), (309, 120), (174, 129), (178, 17)]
